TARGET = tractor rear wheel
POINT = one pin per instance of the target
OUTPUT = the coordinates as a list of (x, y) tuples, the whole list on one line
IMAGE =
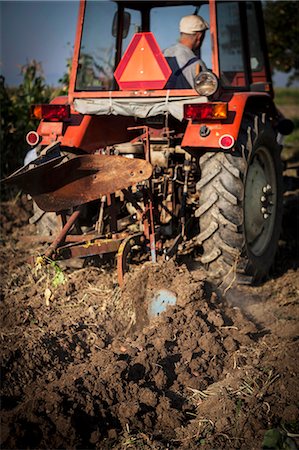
[(240, 209)]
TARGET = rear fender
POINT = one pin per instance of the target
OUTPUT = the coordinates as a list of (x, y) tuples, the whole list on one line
[(87, 132), (238, 103)]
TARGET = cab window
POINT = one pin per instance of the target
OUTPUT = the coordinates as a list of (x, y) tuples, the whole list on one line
[(231, 59), (98, 45), (135, 27), (97, 51), (167, 36), (257, 62)]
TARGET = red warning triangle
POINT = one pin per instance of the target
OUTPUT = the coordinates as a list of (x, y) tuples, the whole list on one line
[(143, 65)]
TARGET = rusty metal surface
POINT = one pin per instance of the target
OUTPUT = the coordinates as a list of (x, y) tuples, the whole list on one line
[(72, 238), (68, 238), (80, 179), (61, 236), (24, 177), (89, 248), (123, 254)]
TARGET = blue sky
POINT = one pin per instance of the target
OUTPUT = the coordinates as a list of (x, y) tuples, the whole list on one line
[(43, 30)]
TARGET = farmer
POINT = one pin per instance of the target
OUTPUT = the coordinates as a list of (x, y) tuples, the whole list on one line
[(181, 57)]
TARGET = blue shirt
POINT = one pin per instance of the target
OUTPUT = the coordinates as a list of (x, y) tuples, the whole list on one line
[(182, 61)]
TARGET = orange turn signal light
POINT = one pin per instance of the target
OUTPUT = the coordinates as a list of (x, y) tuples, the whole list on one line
[(205, 111), (36, 112)]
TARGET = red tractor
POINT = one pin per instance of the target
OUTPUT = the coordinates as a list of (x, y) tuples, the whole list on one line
[(128, 166)]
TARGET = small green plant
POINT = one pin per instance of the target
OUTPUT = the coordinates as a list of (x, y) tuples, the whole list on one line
[(51, 270), (59, 277)]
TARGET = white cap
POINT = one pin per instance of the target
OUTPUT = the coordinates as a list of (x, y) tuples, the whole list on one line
[(192, 24)]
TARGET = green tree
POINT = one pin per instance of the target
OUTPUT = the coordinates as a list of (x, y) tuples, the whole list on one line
[(65, 79), (282, 30), (32, 90)]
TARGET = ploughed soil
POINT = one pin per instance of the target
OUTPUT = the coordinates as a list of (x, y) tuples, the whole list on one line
[(83, 368)]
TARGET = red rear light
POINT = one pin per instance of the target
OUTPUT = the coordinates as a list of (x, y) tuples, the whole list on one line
[(32, 138), (205, 111), (52, 113), (226, 141)]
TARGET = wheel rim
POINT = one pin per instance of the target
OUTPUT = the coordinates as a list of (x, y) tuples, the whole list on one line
[(260, 201)]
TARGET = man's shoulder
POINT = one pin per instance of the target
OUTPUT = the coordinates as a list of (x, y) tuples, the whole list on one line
[(169, 51), (178, 49)]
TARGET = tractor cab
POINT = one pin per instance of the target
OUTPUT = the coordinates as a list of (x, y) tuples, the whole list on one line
[(233, 47)]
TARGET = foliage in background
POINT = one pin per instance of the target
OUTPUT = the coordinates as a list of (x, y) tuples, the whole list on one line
[(287, 101), (282, 30), (289, 96), (15, 114), (64, 81)]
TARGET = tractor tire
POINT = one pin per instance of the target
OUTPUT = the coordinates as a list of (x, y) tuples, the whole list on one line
[(46, 223), (240, 210)]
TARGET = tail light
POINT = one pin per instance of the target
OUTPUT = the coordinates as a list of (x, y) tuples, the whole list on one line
[(226, 141), (32, 138), (198, 112), (51, 113)]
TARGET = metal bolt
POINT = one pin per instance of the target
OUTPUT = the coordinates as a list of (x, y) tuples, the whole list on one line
[(204, 131), (263, 199), (266, 216), (267, 189), (263, 210)]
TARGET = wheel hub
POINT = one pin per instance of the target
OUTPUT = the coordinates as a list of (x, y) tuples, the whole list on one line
[(260, 200), (266, 201)]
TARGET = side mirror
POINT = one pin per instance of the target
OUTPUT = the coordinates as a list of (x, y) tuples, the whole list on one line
[(126, 27)]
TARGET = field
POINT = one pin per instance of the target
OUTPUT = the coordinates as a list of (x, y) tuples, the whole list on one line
[(287, 101), (83, 368)]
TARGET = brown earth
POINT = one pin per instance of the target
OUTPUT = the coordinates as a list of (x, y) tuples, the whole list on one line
[(82, 368)]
